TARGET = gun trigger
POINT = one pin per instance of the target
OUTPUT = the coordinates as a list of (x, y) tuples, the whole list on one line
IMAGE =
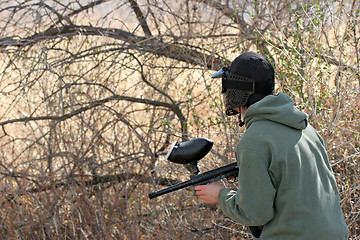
[(231, 179)]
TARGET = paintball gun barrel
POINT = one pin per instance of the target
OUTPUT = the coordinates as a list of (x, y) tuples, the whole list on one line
[(190, 152)]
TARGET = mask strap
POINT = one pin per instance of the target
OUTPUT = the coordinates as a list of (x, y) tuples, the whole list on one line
[(241, 122)]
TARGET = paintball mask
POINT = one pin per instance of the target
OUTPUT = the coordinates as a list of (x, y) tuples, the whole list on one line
[(249, 79)]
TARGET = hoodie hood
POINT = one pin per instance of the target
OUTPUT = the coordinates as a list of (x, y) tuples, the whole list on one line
[(277, 108)]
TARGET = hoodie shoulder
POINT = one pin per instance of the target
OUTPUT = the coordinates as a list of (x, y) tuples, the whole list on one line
[(278, 108)]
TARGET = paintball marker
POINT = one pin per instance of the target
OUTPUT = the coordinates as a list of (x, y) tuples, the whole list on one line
[(189, 153)]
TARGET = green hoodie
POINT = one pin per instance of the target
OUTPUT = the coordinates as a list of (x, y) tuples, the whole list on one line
[(286, 185)]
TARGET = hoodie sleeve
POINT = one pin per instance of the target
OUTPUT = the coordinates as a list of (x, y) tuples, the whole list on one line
[(252, 203)]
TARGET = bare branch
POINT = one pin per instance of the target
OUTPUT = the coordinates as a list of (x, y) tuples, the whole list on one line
[(94, 104), (172, 50), (95, 180), (140, 16), (229, 12)]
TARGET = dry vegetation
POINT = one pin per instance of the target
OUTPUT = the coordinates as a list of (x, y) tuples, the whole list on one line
[(93, 92)]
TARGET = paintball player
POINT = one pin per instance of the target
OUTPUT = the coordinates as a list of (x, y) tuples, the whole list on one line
[(287, 189)]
